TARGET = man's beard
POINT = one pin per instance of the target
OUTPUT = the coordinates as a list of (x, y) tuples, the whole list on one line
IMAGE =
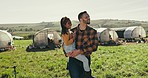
[(86, 22)]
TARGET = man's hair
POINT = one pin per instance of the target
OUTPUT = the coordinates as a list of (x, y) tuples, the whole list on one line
[(81, 14)]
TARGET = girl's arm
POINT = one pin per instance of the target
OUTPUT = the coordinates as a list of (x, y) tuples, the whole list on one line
[(67, 40)]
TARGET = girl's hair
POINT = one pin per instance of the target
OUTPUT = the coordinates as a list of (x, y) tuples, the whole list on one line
[(63, 22)]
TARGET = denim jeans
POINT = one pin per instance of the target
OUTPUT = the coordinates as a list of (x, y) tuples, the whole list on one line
[(75, 68)]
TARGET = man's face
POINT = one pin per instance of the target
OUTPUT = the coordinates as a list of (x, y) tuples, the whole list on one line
[(85, 18)]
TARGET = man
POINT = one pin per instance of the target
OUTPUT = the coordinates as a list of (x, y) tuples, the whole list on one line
[(86, 42)]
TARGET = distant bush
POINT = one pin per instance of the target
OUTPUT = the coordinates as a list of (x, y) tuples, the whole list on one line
[(30, 36), (27, 37)]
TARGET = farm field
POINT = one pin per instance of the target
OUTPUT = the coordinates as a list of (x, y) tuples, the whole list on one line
[(124, 61)]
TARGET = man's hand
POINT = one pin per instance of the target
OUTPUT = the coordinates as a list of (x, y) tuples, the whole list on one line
[(75, 53), (69, 54)]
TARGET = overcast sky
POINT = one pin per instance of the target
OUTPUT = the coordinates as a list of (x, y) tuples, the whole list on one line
[(34, 11)]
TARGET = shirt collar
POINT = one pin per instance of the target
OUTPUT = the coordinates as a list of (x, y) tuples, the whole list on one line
[(78, 28)]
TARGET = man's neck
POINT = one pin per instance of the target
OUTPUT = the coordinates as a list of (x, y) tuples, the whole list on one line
[(82, 26)]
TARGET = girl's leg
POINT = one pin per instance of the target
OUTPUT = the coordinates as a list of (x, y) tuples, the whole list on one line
[(85, 61)]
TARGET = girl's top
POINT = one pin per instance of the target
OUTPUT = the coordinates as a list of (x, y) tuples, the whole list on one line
[(69, 43)]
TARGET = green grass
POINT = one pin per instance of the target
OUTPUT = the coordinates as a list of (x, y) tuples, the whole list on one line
[(23, 34), (121, 61), (107, 62)]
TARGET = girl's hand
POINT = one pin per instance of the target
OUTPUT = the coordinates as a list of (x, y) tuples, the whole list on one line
[(74, 35)]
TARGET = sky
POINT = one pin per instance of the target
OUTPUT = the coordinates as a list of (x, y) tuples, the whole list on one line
[(35, 11)]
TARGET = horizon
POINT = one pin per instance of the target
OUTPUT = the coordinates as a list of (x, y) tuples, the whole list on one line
[(26, 11), (71, 20)]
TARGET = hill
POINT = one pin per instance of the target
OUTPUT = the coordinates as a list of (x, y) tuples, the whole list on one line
[(31, 28)]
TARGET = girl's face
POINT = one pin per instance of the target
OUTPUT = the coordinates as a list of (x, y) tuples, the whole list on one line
[(68, 25)]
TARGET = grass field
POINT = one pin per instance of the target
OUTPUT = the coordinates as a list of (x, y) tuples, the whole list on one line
[(124, 61)]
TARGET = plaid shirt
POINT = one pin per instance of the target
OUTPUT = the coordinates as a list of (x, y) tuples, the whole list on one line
[(86, 40)]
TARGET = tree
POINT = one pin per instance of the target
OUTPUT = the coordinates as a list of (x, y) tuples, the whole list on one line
[(21, 29), (26, 29)]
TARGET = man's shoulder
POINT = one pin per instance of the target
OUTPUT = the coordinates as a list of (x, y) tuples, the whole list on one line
[(91, 28), (73, 29)]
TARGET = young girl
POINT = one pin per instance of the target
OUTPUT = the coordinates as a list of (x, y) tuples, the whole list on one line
[(69, 42)]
